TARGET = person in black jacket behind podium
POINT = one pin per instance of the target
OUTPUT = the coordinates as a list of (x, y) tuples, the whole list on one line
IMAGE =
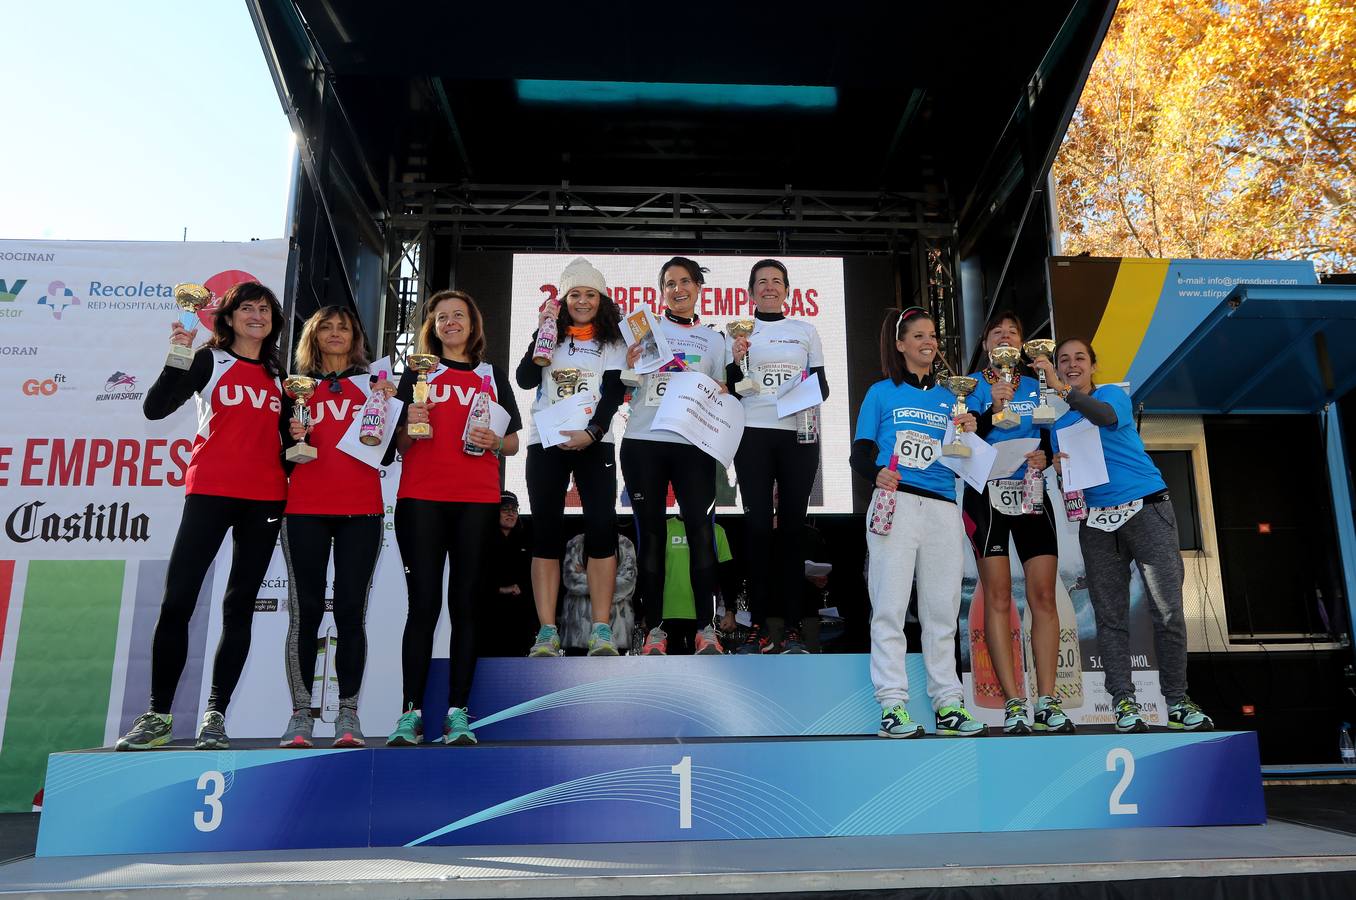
[(505, 614)]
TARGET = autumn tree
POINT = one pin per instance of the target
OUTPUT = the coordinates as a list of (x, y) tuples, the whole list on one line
[(1217, 129)]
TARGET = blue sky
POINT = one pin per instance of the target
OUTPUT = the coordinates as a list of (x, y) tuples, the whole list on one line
[(132, 121)]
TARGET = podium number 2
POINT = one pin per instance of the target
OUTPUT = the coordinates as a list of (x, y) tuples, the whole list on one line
[(684, 772), (215, 785), (1114, 805)]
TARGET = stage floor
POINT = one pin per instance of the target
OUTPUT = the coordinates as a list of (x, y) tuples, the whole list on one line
[(721, 867)]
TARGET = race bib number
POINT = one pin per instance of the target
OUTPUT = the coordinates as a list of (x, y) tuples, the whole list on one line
[(1005, 496), (584, 386), (916, 450), (771, 376), (1109, 518), (655, 386)]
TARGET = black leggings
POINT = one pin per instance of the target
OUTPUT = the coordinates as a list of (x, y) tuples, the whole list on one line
[(306, 542), (548, 477), (768, 458), (649, 467), (254, 528), (430, 533)]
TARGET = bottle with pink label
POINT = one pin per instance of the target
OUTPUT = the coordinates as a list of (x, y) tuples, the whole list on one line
[(883, 506), (372, 425), (547, 336), (478, 416)]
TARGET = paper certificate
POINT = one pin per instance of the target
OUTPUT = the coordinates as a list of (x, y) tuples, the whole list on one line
[(695, 408), (641, 327), (1086, 466), (570, 414)]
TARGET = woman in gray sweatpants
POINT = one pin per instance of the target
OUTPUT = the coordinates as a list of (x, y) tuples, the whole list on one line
[(1130, 520)]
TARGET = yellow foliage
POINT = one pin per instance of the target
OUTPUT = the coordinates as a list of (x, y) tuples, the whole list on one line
[(1217, 129)]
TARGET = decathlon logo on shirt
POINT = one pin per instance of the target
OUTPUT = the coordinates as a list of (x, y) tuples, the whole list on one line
[(908, 415)]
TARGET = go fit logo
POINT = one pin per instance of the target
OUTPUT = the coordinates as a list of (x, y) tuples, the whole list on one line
[(42, 387)]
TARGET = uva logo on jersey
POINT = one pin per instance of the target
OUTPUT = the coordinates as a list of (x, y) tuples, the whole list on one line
[(334, 410), (236, 394), (442, 393)]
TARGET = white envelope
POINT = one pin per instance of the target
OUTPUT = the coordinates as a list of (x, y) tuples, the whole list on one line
[(1086, 466), (798, 396), (571, 414)]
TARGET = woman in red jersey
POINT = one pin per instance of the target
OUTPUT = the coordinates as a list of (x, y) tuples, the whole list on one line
[(332, 502), (447, 504), (235, 481)]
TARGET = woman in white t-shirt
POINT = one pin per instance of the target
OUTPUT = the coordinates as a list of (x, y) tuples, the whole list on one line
[(588, 356), (776, 462)]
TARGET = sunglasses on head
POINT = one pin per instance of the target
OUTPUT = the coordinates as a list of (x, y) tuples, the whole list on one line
[(908, 315)]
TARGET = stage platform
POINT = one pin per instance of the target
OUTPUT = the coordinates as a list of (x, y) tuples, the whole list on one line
[(1278, 860)]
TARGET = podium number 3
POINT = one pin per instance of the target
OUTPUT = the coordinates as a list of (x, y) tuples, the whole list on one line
[(684, 772), (1114, 805), (215, 784)]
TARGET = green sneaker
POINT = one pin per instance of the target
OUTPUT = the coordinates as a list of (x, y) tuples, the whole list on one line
[(548, 642), (408, 731), (600, 640), (1128, 718), (149, 730), (1015, 717), (456, 730), (895, 723), (956, 721), (1187, 716), (1050, 717)]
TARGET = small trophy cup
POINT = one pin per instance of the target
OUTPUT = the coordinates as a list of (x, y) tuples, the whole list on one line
[(1005, 359), (567, 382), (742, 328), (1044, 414), (190, 298), (300, 388), (422, 363), (962, 386)]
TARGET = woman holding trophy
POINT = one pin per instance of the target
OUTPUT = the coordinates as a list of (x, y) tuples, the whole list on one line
[(652, 459), (333, 502), (775, 458), (587, 359), (448, 500), (914, 525), (1129, 520), (235, 482), (1013, 508)]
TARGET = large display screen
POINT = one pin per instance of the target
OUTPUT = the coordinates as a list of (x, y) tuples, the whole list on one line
[(815, 294)]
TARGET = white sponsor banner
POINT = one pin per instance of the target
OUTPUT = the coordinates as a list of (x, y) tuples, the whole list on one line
[(84, 330), (815, 295)]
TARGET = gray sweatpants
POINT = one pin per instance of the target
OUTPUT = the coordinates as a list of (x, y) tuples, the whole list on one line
[(1150, 541)]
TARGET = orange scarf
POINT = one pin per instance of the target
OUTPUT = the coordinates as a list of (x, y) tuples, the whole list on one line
[(581, 332)]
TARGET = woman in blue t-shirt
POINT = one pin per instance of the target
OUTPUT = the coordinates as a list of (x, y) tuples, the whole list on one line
[(898, 447), (1130, 519)]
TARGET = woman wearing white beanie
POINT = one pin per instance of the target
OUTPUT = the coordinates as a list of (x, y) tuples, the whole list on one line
[(590, 343)]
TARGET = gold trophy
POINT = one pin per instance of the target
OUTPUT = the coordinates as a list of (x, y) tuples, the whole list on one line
[(742, 328), (190, 298), (300, 388), (1006, 359), (421, 363), (567, 382), (962, 386), (1044, 413)]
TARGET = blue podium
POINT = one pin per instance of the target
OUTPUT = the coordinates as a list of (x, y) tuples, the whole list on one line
[(649, 764)]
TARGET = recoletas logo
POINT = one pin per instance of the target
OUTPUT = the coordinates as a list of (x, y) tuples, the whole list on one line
[(58, 298), (101, 522)]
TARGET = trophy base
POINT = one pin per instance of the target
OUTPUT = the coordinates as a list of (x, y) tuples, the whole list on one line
[(630, 378), (300, 453), (1043, 415), (956, 450), (1005, 420), (179, 357), (419, 431), (746, 387)]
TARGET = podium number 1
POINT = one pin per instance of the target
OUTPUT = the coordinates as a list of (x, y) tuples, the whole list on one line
[(215, 784), (1114, 805), (684, 772)]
